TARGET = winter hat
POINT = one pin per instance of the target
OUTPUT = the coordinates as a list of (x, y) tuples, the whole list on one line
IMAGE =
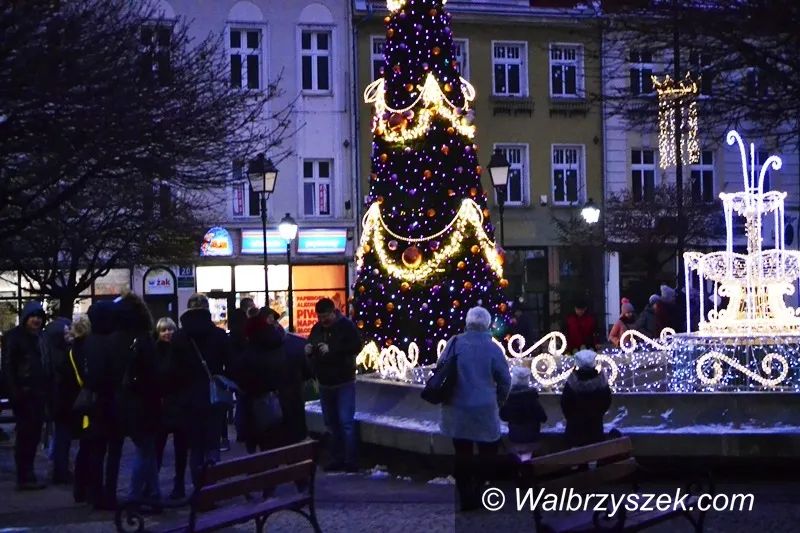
[(654, 298), (667, 293), (520, 375), (627, 307), (585, 359)]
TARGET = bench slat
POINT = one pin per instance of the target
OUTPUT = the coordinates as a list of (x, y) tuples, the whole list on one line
[(596, 476), (548, 464), (232, 488), (259, 462)]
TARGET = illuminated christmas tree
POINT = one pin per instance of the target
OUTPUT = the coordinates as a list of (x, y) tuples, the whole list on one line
[(427, 251)]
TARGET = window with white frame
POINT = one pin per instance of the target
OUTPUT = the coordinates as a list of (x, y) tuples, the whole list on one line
[(702, 176), (246, 202), (315, 57), (643, 174), (376, 55), (567, 172), (518, 179), (699, 64), (317, 187), (509, 69), (155, 47), (641, 71), (245, 54), (566, 70)]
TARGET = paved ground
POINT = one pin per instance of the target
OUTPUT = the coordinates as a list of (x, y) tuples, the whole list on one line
[(401, 499)]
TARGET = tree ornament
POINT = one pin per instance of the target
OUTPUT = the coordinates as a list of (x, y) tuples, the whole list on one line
[(451, 192), (397, 69), (486, 213), (431, 212), (397, 122), (409, 87), (451, 130), (360, 324), (445, 149), (441, 322), (378, 322), (390, 307), (367, 248), (425, 66), (387, 20), (427, 174), (405, 286), (393, 245), (504, 283), (390, 33), (503, 307), (375, 271), (380, 199), (461, 265), (433, 12), (434, 245), (448, 88), (425, 306), (412, 257), (361, 289), (456, 304), (468, 285), (475, 249), (436, 50), (388, 342), (479, 170), (473, 191), (384, 157)]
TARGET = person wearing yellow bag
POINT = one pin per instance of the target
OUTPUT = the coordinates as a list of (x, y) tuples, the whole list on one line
[(79, 331)]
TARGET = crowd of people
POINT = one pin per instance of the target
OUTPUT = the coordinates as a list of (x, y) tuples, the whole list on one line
[(114, 375)]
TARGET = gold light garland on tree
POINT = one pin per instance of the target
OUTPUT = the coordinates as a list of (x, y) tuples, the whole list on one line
[(676, 96)]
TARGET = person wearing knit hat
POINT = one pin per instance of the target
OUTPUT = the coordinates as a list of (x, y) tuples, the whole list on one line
[(626, 318), (523, 413), (584, 401)]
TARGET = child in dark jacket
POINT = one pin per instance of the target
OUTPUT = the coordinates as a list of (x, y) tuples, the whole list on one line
[(524, 414), (585, 400)]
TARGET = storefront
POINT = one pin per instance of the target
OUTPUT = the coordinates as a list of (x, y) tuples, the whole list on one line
[(159, 288)]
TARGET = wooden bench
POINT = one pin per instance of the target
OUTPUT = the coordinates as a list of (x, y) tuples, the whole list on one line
[(590, 469), (230, 492)]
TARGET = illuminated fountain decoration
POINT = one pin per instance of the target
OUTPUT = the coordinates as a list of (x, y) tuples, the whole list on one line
[(757, 282)]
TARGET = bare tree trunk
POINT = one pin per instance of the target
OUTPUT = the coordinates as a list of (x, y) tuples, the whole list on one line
[(66, 304)]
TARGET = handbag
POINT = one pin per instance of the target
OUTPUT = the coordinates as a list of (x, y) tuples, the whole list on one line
[(220, 388), (86, 401), (439, 387), (267, 411)]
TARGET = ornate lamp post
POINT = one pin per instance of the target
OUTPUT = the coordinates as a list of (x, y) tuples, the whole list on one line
[(288, 231), (498, 171), (263, 176)]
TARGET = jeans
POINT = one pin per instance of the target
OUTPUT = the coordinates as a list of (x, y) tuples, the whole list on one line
[(472, 472), (339, 412), (180, 443), (144, 476), (29, 413), (62, 440)]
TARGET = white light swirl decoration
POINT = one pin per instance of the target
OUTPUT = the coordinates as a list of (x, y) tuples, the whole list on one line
[(468, 220), (547, 378), (557, 345), (434, 102), (628, 341), (717, 372)]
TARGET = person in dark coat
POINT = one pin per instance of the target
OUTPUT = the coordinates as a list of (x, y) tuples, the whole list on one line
[(26, 385), (63, 389), (198, 340), (333, 344), (298, 372), (173, 420), (524, 414), (585, 400), (100, 449), (138, 392), (653, 319), (85, 483)]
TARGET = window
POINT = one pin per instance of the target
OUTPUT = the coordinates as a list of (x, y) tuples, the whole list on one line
[(509, 74), (755, 83), (378, 49), (761, 158), (698, 63), (246, 201), (566, 70), (377, 57), (517, 188), (316, 60), (245, 50), (316, 187), (567, 174), (643, 175), (641, 65), (155, 46), (702, 175)]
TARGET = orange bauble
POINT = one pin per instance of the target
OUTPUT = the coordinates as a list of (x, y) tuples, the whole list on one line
[(468, 285), (448, 87), (504, 283), (378, 322), (475, 249), (362, 289), (461, 265), (451, 192), (360, 324), (384, 157), (409, 87), (445, 149), (456, 303), (433, 12), (473, 192), (398, 122), (486, 213), (431, 212), (380, 199), (405, 287), (451, 130), (503, 307), (390, 307), (436, 50), (441, 322), (373, 176), (387, 20), (427, 174), (390, 32), (367, 248), (412, 257), (478, 170), (388, 342)]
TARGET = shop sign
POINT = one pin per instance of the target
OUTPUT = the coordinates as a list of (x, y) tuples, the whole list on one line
[(216, 242), (186, 277), (322, 241), (159, 281), (253, 242)]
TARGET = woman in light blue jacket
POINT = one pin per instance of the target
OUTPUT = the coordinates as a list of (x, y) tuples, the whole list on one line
[(472, 415)]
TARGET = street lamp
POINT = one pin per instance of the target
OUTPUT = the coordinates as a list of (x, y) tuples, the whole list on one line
[(498, 171), (590, 212), (263, 175), (288, 230)]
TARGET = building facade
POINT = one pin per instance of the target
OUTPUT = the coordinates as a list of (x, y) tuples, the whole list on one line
[(533, 69)]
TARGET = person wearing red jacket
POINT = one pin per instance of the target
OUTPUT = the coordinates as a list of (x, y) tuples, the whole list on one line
[(581, 328)]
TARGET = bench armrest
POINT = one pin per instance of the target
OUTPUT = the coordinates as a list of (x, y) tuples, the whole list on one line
[(129, 518)]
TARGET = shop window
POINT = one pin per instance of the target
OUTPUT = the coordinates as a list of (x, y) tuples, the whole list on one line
[(213, 278)]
